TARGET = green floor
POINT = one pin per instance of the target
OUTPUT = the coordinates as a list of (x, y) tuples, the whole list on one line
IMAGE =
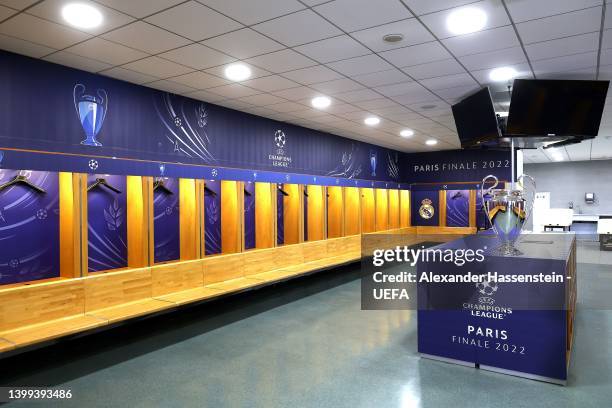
[(305, 344)]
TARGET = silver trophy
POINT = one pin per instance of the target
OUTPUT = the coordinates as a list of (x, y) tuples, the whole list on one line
[(508, 210)]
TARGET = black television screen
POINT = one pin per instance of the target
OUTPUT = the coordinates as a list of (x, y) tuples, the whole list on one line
[(546, 107), (476, 120)]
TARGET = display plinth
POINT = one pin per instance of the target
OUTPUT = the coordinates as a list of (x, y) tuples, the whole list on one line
[(523, 329)]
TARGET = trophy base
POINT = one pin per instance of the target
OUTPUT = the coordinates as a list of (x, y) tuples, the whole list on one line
[(91, 142), (507, 249)]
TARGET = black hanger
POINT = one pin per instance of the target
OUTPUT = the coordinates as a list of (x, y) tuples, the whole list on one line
[(457, 195), (247, 192), (305, 193), (209, 191), (159, 184), (102, 182), (283, 192), (21, 179)]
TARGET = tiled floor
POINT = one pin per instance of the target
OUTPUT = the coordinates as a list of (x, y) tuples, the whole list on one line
[(307, 344)]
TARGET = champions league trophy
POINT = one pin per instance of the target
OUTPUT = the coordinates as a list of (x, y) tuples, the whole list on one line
[(508, 210), (373, 162), (91, 111)]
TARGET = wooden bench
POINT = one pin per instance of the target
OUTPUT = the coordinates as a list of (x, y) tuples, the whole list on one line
[(40, 312)]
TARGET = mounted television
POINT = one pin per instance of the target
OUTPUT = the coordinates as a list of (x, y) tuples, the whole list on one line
[(476, 120), (553, 109)]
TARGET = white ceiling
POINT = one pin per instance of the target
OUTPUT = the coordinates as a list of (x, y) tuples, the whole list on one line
[(299, 49)]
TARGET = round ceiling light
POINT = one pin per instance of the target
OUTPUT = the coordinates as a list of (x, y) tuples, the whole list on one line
[(82, 15), (466, 20), (502, 74), (237, 72), (321, 102), (407, 133), (393, 38), (371, 121), (431, 142)]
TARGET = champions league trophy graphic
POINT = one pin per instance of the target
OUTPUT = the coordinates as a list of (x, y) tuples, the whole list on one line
[(373, 162), (91, 111), (508, 210)]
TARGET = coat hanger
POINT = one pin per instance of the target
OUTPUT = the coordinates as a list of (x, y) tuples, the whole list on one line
[(209, 191), (283, 192), (22, 179), (457, 195), (247, 192), (160, 185), (100, 181)]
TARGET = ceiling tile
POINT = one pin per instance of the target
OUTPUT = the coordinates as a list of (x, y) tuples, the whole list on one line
[(145, 37), (251, 12), (416, 95), (455, 94), (606, 40), (262, 99), (233, 91), (420, 7), (352, 15), (23, 47), (566, 63), (337, 86), (52, 10), (333, 49), (434, 69), (376, 104), (449, 81), (494, 59), (76, 61), (6, 12), (416, 54), (18, 4), (286, 107), (606, 57), (496, 17), (170, 86), (157, 67), (243, 43), (197, 56), (200, 80), (270, 83), (255, 72), (482, 41), (391, 76), (281, 61), (298, 28), (106, 51), (139, 8), (398, 89), (311, 75), (194, 21), (563, 46), (36, 30), (360, 65), (523, 10), (412, 30), (358, 95), (297, 94), (563, 25), (128, 75)]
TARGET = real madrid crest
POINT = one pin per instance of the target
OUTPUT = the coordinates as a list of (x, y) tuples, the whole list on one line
[(426, 210)]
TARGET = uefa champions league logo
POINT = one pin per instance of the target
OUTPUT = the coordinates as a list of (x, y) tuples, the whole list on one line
[(487, 289), (279, 158), (91, 111)]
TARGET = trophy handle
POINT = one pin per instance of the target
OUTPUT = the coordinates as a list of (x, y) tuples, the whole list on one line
[(104, 99), (483, 193), (77, 92), (533, 187)]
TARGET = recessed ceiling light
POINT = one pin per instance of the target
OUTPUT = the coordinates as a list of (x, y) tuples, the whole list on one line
[(393, 38), (466, 20), (237, 72), (82, 15), (431, 142), (371, 121), (321, 102), (502, 74), (407, 133), (427, 107)]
